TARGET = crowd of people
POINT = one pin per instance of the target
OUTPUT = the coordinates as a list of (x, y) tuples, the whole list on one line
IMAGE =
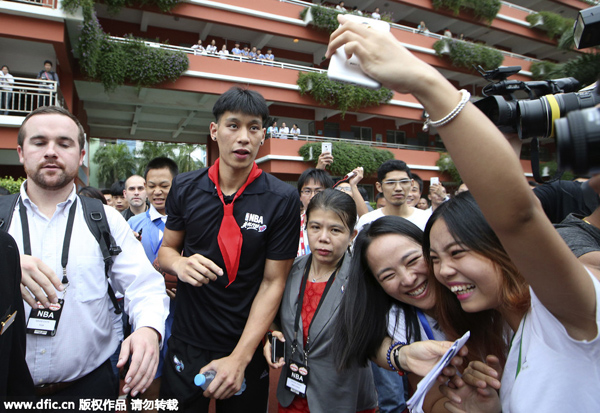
[(283, 131), (216, 266), (253, 54)]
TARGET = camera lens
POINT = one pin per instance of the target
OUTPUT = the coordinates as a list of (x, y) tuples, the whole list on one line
[(578, 141), (502, 112), (537, 116)]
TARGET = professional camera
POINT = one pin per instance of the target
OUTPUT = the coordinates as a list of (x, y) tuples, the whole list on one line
[(533, 117), (578, 141)]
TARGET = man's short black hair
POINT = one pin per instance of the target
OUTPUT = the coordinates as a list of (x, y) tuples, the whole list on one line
[(318, 175), (418, 180), (160, 163), (239, 100), (390, 166), (105, 191), (117, 188), (47, 61), (363, 192)]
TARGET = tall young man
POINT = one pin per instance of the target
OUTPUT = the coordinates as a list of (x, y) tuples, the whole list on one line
[(74, 361), (231, 237)]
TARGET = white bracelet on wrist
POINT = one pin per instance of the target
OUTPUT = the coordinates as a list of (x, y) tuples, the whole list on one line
[(463, 101)]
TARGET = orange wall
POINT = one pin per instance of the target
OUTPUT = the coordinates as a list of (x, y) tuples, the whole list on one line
[(8, 138)]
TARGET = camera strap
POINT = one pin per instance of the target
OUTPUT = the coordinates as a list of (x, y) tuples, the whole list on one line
[(535, 163)]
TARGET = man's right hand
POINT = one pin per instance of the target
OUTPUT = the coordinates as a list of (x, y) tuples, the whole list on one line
[(326, 158), (38, 282), (197, 270)]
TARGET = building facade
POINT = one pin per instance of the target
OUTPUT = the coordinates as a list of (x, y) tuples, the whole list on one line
[(32, 31)]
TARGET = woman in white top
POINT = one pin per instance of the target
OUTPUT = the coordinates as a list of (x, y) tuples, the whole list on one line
[(212, 47), (553, 363), (295, 131), (223, 52), (198, 48)]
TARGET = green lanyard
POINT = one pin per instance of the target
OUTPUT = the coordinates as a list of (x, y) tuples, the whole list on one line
[(520, 347)]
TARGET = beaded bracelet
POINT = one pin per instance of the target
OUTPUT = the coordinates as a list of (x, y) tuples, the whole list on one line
[(463, 101), (398, 345)]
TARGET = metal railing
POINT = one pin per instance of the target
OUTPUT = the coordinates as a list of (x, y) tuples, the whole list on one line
[(357, 142), (434, 35), (22, 96), (237, 58), (43, 3)]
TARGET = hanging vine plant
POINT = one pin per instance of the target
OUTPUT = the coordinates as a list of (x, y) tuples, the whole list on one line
[(584, 68), (340, 95), (446, 165), (553, 24), (467, 54), (325, 18), (483, 9), (347, 157), (115, 63)]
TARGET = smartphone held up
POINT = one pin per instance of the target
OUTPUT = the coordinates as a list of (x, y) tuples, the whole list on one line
[(348, 70)]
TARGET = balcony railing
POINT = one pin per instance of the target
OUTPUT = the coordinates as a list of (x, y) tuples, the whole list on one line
[(43, 3), (25, 95), (313, 138), (236, 58), (429, 34)]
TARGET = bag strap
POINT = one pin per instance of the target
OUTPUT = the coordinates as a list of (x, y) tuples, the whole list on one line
[(95, 217)]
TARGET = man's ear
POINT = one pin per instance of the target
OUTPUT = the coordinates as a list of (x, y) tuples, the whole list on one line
[(378, 186), (213, 130)]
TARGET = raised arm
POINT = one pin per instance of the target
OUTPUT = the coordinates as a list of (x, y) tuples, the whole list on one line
[(491, 170)]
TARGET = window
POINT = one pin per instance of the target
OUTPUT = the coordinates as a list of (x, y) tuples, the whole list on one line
[(396, 136), (362, 133)]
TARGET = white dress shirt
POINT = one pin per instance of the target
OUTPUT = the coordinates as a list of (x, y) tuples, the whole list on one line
[(6, 81), (85, 337)]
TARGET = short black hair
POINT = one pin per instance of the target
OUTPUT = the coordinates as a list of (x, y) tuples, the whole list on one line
[(418, 180), (160, 163), (117, 188), (317, 175), (378, 196), (390, 166), (105, 191), (5, 66), (47, 61), (363, 192), (241, 100)]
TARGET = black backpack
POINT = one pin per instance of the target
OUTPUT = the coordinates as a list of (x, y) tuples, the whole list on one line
[(93, 211)]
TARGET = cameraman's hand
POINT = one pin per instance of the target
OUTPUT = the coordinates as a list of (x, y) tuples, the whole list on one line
[(326, 158)]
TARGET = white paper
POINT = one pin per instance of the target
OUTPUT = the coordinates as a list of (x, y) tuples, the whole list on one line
[(415, 403)]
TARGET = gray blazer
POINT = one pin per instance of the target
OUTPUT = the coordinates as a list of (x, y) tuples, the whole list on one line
[(328, 390)]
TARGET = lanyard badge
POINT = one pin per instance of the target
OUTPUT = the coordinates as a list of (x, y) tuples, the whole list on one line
[(296, 377), (44, 321)]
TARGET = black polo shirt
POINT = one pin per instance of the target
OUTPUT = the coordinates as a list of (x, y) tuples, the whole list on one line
[(213, 317)]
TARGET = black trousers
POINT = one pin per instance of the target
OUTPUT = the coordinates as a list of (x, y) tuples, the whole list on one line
[(183, 362), (100, 384)]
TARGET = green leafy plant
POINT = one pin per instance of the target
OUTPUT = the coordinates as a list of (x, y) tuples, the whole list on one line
[(325, 18), (11, 184), (483, 9), (467, 54), (553, 24), (115, 162), (341, 95), (115, 63), (446, 165), (584, 68), (347, 157)]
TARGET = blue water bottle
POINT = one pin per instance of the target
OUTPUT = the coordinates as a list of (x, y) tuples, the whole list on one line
[(204, 380)]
